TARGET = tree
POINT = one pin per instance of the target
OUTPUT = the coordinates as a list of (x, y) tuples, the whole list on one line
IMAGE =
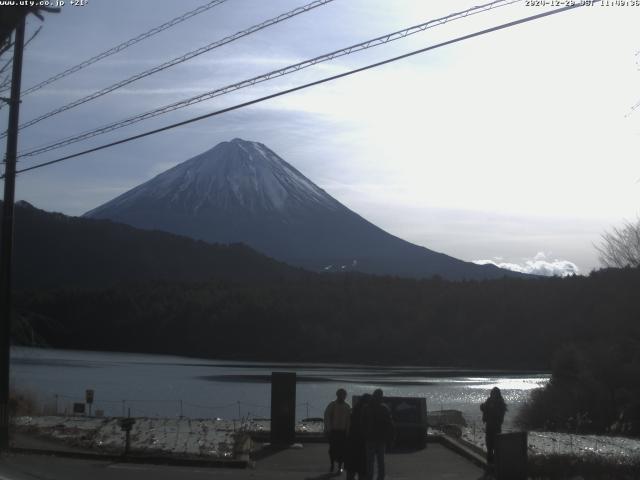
[(620, 247)]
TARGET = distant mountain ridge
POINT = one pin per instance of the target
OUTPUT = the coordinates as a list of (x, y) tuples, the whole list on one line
[(53, 250), (241, 191)]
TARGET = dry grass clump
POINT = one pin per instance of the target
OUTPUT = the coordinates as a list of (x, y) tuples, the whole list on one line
[(23, 402)]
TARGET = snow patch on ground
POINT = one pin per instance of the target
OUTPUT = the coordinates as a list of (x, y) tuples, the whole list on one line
[(156, 436), (553, 443), (214, 438)]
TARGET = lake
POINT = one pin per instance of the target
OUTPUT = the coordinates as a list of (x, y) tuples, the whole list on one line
[(169, 386)]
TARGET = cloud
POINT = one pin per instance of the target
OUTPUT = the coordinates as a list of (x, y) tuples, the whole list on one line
[(540, 264)]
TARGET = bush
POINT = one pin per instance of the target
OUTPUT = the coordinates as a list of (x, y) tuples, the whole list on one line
[(22, 403), (593, 389)]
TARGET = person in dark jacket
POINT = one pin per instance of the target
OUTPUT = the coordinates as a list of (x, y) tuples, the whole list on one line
[(378, 432), (356, 459), (493, 410)]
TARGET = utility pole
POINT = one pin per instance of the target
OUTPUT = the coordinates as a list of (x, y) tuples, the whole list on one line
[(7, 232)]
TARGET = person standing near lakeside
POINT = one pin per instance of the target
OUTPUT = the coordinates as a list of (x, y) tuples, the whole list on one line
[(356, 460), (337, 417), (493, 410), (378, 431)]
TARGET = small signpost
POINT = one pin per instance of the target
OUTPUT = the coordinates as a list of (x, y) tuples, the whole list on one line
[(126, 424), (88, 396)]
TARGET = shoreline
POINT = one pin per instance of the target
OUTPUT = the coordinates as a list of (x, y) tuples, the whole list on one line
[(431, 370)]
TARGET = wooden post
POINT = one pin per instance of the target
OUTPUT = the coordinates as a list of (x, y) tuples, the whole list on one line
[(283, 408), (7, 233)]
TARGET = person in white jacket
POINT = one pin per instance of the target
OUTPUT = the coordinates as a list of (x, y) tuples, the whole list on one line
[(336, 426)]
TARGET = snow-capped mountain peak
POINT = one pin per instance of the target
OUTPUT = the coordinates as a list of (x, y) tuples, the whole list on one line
[(233, 175)]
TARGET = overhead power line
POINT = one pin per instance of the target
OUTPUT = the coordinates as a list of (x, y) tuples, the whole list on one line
[(178, 60), (268, 76), (5, 83), (126, 44), (306, 85)]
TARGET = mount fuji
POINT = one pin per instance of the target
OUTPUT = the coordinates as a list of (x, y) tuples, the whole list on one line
[(241, 191)]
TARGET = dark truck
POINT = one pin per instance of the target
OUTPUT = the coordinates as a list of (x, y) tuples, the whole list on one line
[(409, 416)]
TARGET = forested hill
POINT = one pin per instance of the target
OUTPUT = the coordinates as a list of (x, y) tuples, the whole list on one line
[(507, 323), (55, 250)]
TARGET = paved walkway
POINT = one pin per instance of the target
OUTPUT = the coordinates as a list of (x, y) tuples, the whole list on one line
[(436, 462)]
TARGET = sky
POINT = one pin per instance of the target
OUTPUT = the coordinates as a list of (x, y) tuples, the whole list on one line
[(518, 147)]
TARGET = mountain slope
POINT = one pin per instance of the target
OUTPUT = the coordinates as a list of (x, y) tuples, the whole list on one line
[(54, 250), (241, 191)]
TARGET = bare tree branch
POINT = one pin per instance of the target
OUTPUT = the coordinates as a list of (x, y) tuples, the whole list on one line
[(6, 65), (35, 34), (620, 247), (5, 47), (5, 81), (10, 60)]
